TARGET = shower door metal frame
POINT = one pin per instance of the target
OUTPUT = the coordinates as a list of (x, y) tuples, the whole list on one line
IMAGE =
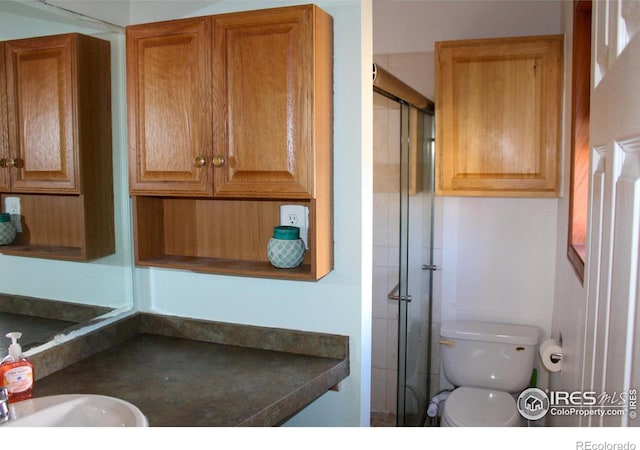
[(403, 264), (388, 85)]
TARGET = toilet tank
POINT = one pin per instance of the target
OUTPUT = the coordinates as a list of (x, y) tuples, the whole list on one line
[(488, 355)]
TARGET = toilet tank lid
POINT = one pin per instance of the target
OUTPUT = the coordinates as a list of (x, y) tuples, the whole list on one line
[(490, 332)]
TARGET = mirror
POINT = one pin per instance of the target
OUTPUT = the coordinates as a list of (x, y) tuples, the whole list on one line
[(48, 298)]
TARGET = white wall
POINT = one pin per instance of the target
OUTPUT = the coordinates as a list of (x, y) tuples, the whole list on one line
[(116, 12), (499, 254), (407, 26)]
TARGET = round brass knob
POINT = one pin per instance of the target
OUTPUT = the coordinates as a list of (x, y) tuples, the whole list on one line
[(199, 161), (9, 162), (217, 161)]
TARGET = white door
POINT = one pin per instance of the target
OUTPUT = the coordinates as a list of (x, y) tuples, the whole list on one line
[(612, 350)]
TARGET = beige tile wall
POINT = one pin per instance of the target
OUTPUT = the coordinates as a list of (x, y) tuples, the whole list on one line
[(386, 160)]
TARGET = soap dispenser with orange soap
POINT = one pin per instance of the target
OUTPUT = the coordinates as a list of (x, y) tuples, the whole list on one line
[(16, 371)]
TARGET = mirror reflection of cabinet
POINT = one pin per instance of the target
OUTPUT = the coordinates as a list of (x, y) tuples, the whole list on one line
[(4, 138), (56, 156), (50, 288), (42, 153)]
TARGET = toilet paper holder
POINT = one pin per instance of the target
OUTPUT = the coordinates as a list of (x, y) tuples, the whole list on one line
[(551, 355), (555, 357)]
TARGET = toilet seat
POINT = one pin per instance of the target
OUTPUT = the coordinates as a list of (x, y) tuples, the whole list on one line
[(474, 407)]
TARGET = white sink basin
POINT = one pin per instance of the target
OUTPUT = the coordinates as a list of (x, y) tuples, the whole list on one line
[(75, 410)]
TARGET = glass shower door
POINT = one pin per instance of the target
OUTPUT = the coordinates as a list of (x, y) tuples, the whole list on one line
[(415, 265)]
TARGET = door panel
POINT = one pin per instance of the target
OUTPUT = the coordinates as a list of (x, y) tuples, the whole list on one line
[(595, 332), (613, 268), (41, 114), (263, 82), (169, 91), (624, 279)]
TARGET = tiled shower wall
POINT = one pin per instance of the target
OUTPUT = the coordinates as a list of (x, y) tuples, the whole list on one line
[(386, 118), (417, 70)]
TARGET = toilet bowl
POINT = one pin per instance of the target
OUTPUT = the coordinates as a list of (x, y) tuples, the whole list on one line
[(472, 407), (487, 362)]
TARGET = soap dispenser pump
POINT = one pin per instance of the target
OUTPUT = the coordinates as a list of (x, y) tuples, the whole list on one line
[(16, 371)]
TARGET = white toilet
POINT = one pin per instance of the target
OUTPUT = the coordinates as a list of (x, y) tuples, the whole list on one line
[(487, 363)]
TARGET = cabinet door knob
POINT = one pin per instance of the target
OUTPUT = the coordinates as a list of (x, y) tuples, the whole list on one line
[(9, 162), (217, 161), (199, 161)]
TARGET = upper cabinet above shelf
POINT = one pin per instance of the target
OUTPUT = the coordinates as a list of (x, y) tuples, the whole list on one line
[(234, 105), (498, 116)]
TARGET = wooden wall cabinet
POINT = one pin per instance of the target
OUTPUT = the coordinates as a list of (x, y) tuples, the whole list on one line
[(498, 116), (55, 153), (230, 117)]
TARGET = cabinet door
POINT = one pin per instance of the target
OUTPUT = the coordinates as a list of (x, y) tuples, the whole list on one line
[(4, 138), (263, 97), (498, 116), (42, 114), (169, 106)]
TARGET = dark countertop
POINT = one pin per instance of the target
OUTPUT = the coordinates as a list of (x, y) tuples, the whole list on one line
[(186, 382), (39, 320), (35, 330)]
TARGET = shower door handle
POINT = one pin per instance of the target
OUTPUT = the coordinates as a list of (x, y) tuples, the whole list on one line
[(393, 295)]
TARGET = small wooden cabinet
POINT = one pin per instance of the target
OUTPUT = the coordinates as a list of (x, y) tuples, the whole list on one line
[(56, 145), (230, 117), (499, 116)]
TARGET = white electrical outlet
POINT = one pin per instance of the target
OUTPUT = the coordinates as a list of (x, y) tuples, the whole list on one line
[(296, 216), (12, 205)]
